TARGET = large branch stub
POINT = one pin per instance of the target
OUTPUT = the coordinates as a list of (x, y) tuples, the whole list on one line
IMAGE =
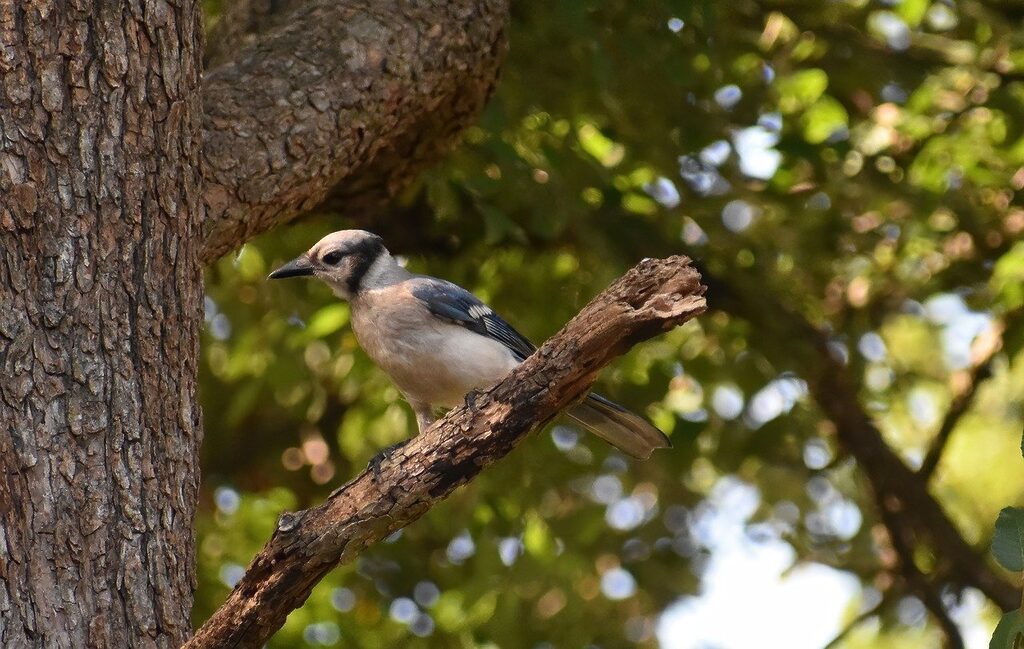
[(344, 97), (653, 297)]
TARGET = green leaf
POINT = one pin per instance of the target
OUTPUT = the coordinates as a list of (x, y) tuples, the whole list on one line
[(912, 11), (823, 119), (537, 538), (1009, 633), (498, 227), (482, 609), (1008, 277), (250, 263), (449, 611), (327, 320), (1008, 541), (603, 149), (801, 89)]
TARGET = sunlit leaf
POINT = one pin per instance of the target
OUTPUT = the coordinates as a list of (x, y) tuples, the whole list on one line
[(327, 320), (801, 89), (823, 119)]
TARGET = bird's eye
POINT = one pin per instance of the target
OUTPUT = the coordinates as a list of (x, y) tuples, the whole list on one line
[(333, 257)]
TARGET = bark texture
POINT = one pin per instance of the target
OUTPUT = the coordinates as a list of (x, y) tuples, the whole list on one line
[(348, 99), (654, 296), (100, 300)]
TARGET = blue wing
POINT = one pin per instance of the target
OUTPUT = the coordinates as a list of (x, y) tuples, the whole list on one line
[(457, 305), (611, 422)]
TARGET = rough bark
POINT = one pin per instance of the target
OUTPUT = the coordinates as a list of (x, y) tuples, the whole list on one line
[(100, 299), (654, 296), (347, 98)]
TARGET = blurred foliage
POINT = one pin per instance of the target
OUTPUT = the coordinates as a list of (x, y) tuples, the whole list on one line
[(858, 161)]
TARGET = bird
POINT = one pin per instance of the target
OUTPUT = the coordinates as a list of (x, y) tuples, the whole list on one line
[(437, 341)]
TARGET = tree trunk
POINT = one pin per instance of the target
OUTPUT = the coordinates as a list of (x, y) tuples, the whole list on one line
[(100, 306)]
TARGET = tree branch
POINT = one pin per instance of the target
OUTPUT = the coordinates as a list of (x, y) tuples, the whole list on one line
[(350, 97), (965, 399), (651, 298), (902, 539), (957, 409), (901, 496)]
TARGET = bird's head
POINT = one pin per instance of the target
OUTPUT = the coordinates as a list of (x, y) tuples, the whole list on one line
[(345, 260)]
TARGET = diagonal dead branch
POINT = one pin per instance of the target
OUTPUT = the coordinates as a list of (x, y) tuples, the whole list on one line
[(653, 297), (350, 98)]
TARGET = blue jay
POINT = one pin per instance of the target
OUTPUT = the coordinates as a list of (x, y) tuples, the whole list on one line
[(436, 340)]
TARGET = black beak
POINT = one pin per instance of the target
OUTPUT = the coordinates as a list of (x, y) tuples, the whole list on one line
[(298, 267)]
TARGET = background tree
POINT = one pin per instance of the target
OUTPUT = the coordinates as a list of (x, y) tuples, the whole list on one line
[(844, 173), (847, 174)]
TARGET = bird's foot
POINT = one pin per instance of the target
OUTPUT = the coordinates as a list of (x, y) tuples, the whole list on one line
[(470, 400), (384, 455)]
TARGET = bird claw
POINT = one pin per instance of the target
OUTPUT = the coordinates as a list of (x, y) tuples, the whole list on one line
[(383, 455), (470, 400)]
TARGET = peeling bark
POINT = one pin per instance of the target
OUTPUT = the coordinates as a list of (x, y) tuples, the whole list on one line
[(349, 99), (653, 297), (100, 305)]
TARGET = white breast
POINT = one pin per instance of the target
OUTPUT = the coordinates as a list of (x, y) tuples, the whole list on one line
[(430, 360)]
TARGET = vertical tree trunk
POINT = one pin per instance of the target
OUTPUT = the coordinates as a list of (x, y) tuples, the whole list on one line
[(100, 305)]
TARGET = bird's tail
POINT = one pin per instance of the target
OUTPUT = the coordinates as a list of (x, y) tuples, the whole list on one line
[(628, 432)]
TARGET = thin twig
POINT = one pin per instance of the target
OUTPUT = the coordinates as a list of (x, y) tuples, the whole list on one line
[(960, 405), (963, 402)]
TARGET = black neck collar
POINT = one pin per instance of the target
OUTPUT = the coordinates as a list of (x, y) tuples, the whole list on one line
[(363, 255)]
